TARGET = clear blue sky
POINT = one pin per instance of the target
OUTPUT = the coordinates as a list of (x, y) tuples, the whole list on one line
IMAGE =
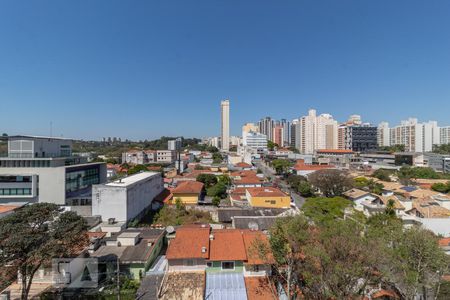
[(142, 69)]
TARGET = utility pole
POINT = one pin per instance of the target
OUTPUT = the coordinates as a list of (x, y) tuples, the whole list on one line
[(118, 279)]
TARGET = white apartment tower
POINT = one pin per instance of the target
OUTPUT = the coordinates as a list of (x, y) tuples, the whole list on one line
[(383, 135), (415, 136), (444, 135), (225, 128), (317, 132)]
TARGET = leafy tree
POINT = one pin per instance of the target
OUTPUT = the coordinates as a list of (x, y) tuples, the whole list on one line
[(369, 185), (305, 189), (170, 215), (441, 149), (216, 201), (207, 179), (271, 145), (4, 134), (217, 158), (441, 187), (137, 169), (322, 210), (35, 234), (217, 190), (225, 179), (179, 204), (331, 182), (394, 148), (281, 166), (259, 171), (293, 149), (382, 174), (212, 149), (112, 161), (199, 167), (418, 262)]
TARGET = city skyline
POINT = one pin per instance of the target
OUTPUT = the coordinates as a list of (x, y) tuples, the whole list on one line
[(129, 68)]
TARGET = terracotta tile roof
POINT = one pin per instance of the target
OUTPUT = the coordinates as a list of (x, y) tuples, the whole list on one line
[(243, 165), (244, 173), (397, 203), (7, 208), (188, 187), (251, 238), (227, 244), (445, 242), (339, 151), (430, 209), (301, 166), (259, 288), (189, 242), (355, 193), (248, 180), (266, 192)]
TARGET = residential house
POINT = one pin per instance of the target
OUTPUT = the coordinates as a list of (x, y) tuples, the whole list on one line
[(300, 168), (189, 192), (267, 197), (134, 249), (358, 196), (245, 179)]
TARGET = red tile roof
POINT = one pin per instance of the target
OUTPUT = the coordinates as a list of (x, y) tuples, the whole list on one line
[(227, 244), (301, 166), (251, 240), (96, 234), (189, 242), (266, 192), (340, 151), (188, 187), (445, 242), (243, 165), (259, 288), (7, 208)]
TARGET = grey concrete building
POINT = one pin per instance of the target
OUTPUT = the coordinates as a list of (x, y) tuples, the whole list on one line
[(127, 198)]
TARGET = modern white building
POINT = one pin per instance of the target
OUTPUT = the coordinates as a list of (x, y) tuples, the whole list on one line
[(174, 145), (255, 141), (317, 132), (415, 136), (225, 128), (43, 169), (444, 133), (127, 198), (166, 156), (383, 135)]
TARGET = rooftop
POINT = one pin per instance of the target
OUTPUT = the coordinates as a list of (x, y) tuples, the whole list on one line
[(355, 193), (339, 151), (188, 187), (130, 180), (189, 242), (36, 137), (227, 244), (266, 192)]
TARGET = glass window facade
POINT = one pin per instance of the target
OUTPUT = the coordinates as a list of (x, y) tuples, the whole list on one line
[(81, 179)]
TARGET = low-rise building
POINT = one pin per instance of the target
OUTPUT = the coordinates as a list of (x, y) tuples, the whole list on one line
[(267, 197), (189, 192), (166, 156), (300, 168), (127, 198)]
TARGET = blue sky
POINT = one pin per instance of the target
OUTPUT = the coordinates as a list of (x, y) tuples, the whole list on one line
[(142, 69)]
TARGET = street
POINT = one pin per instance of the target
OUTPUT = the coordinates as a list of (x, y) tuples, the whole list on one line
[(270, 173)]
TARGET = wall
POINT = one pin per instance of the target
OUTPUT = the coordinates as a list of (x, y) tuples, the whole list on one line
[(280, 202), (181, 265), (217, 267), (109, 202), (186, 198)]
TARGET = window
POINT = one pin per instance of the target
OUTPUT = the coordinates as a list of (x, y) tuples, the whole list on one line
[(209, 264), (228, 265), (189, 262)]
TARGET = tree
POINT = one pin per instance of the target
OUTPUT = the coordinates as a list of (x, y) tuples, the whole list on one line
[(383, 175), (418, 263), (207, 179), (271, 145), (322, 210), (225, 179), (35, 234), (369, 185), (199, 167), (441, 149), (331, 182), (305, 189), (216, 201), (217, 190), (441, 187), (217, 158), (212, 149), (281, 166), (137, 169), (394, 148), (4, 135)]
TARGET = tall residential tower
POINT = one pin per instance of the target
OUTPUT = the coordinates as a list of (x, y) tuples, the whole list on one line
[(225, 128)]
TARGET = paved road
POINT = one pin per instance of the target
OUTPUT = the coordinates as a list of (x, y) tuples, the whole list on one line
[(269, 172)]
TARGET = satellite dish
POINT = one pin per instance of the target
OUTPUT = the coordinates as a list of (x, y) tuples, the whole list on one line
[(253, 225), (170, 229)]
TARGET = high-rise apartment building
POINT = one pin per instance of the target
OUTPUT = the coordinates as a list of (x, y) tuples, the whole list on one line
[(317, 132), (415, 136), (444, 135), (174, 145), (286, 132), (383, 135), (266, 126), (357, 136), (295, 134), (278, 135), (225, 133)]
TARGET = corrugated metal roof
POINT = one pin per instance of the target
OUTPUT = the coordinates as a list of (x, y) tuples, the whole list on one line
[(225, 286)]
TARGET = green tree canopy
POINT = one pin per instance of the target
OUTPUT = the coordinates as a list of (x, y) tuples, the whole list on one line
[(207, 179), (323, 209), (331, 182), (35, 234), (281, 165)]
